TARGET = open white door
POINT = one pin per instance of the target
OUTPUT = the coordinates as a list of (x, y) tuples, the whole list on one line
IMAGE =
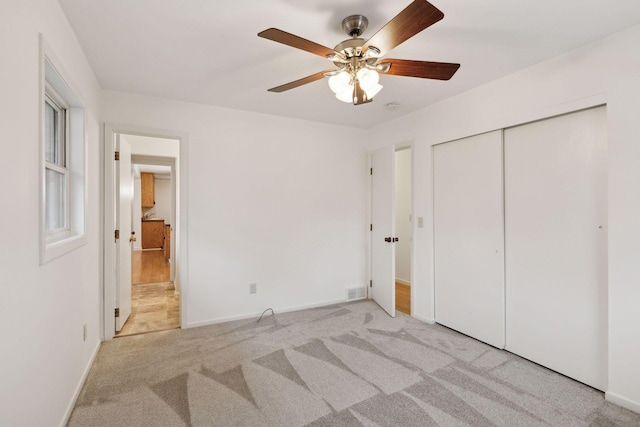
[(383, 290), (123, 203)]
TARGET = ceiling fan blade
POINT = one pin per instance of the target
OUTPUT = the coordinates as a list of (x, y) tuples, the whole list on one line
[(300, 82), (414, 18), (359, 95), (422, 69), (297, 42)]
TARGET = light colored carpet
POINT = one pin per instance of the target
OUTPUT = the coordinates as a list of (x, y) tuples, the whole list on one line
[(342, 365)]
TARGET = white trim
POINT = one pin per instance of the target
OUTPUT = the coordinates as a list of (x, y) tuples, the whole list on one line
[(107, 300), (369, 231), (257, 314), (424, 319), (414, 226), (403, 282), (432, 207), (108, 296), (53, 245), (76, 393), (622, 401)]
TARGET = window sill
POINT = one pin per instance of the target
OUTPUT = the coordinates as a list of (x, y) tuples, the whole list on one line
[(54, 249)]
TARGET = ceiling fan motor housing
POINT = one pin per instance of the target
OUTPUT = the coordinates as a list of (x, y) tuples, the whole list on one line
[(351, 49), (355, 25)]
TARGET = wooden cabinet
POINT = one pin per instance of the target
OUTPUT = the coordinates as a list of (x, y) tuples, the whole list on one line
[(147, 190), (167, 241), (152, 234)]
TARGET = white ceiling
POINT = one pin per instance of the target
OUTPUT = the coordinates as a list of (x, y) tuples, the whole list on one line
[(207, 51), (160, 172)]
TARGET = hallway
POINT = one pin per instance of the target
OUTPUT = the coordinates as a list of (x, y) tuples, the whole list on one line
[(155, 306), (149, 267), (403, 298)]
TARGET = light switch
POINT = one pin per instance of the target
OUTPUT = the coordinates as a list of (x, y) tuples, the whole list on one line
[(420, 222)]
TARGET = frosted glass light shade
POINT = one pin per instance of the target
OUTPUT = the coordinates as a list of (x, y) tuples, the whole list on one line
[(368, 79), (339, 82), (373, 90), (346, 95)]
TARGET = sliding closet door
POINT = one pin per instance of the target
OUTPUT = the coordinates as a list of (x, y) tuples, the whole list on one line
[(556, 244), (468, 237)]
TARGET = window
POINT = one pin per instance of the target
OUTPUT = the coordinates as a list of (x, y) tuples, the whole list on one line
[(62, 148), (55, 157)]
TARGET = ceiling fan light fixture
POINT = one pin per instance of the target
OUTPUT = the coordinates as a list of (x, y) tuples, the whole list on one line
[(373, 90), (338, 82), (367, 78), (346, 95)]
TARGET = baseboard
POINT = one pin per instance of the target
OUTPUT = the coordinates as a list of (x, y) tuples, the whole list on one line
[(257, 314), (424, 319), (403, 282), (76, 393), (622, 401)]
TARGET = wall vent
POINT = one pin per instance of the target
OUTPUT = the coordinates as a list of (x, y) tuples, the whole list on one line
[(356, 293)]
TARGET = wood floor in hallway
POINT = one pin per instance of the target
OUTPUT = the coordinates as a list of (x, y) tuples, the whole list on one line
[(155, 306), (149, 267), (403, 298)]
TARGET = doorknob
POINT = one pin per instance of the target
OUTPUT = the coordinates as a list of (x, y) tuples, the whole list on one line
[(133, 237)]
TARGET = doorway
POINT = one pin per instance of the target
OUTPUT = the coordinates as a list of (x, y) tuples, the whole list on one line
[(391, 229), (403, 229), (155, 302), (141, 270)]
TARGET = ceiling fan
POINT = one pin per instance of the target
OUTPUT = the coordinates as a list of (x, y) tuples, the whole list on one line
[(359, 61)]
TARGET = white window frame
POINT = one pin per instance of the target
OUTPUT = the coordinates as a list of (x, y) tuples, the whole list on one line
[(57, 89)]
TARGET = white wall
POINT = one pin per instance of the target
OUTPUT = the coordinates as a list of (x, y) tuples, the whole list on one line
[(605, 71), (153, 146), (162, 208), (273, 201), (403, 215), (43, 308)]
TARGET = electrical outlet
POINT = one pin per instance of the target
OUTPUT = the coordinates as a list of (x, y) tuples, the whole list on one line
[(84, 332), (253, 288)]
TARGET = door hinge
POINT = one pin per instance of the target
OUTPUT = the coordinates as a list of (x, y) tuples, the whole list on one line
[(117, 234), (371, 171), (117, 156), (371, 283), (370, 227), (117, 312)]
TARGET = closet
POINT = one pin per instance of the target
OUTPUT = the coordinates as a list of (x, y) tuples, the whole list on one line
[(468, 232), (542, 188)]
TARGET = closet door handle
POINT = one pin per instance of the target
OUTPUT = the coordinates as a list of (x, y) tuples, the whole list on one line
[(395, 239), (388, 239)]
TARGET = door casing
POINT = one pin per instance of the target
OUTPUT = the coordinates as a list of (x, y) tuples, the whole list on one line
[(107, 222)]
